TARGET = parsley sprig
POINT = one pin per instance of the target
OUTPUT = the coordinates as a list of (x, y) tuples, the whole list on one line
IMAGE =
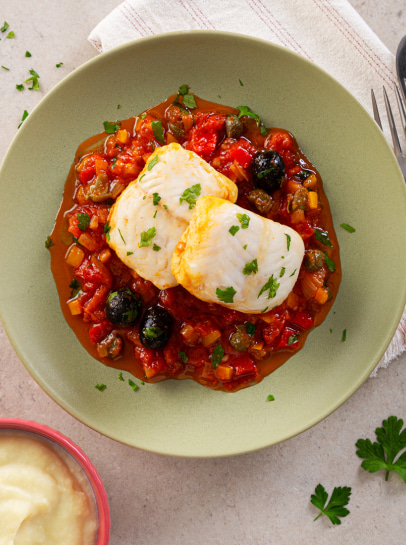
[(335, 508), (190, 195), (381, 454)]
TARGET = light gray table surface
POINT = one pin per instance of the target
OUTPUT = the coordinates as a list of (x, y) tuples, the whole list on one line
[(260, 498)]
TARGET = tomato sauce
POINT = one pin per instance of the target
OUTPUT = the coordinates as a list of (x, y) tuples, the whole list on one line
[(87, 271)]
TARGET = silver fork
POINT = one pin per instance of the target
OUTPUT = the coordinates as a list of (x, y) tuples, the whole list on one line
[(401, 157)]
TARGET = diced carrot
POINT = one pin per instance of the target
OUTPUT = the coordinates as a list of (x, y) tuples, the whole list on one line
[(122, 136), (94, 222), (211, 337), (88, 242), (171, 138), (293, 300), (101, 165), (74, 307), (224, 372), (105, 255), (75, 256), (292, 186), (310, 182), (312, 200), (321, 295)]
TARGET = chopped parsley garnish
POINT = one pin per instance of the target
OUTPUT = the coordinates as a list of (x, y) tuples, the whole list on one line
[(166, 207), (132, 384), (190, 195), (183, 89), (265, 172), (120, 376), (329, 262), (183, 357), (158, 131), (139, 179), (100, 387), (322, 236), (233, 229), (83, 221), (20, 87), (264, 310), (34, 80), (130, 253), (25, 115), (250, 328), (293, 339), (344, 337), (59, 64), (303, 174), (381, 455), (189, 101), (74, 286), (152, 163), (216, 356), (227, 295), (122, 238), (335, 508), (156, 248), (245, 110), (48, 242), (245, 246), (288, 239), (271, 285), (111, 128), (347, 227), (11, 34), (4, 27), (292, 273), (154, 216), (244, 220), (5, 68), (106, 230), (28, 54), (251, 267), (283, 269), (153, 332), (270, 398), (146, 237), (155, 198)]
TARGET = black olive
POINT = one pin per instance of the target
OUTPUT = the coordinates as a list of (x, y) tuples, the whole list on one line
[(268, 170), (155, 328), (123, 307)]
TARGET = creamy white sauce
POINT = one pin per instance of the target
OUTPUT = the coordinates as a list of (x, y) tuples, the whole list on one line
[(45, 499)]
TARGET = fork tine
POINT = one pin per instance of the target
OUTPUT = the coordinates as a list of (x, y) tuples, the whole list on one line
[(375, 109), (395, 139), (401, 108)]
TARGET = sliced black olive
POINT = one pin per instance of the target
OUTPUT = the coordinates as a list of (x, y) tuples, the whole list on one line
[(268, 170), (234, 126), (155, 328), (314, 260), (261, 200), (123, 307)]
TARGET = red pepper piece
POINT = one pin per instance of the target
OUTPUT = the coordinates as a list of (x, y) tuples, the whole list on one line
[(241, 155), (98, 331), (288, 339), (303, 319), (243, 365)]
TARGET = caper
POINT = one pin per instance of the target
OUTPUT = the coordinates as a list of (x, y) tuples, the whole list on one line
[(240, 340), (268, 170), (313, 260), (234, 126), (300, 199), (155, 328), (261, 200), (177, 129), (123, 307)]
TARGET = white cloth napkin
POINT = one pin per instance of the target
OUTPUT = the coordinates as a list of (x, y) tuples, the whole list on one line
[(328, 32)]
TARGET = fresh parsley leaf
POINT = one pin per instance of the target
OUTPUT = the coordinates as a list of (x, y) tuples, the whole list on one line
[(28, 54), (244, 220), (233, 229), (5, 68), (241, 83), (283, 269), (183, 89), (25, 115), (132, 384), (270, 398), (11, 35), (251, 267), (34, 80), (293, 273), (146, 237), (154, 216), (48, 242), (293, 339), (130, 253), (263, 130), (100, 387), (322, 236), (20, 87), (344, 337), (156, 248), (189, 101), (83, 221), (183, 357), (190, 195), (216, 356), (288, 239), (303, 174), (158, 131), (245, 110), (111, 128), (155, 198), (151, 333), (106, 230), (347, 227), (59, 64), (152, 163), (121, 236), (382, 454), (271, 285), (335, 509), (250, 328), (329, 262), (227, 295), (120, 376), (4, 27)]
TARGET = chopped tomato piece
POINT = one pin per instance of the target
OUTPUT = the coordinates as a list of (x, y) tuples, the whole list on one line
[(97, 332), (303, 319)]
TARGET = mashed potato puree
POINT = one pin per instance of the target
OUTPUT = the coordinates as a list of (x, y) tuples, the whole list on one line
[(43, 496)]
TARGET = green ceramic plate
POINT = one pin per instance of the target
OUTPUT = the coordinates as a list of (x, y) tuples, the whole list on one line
[(362, 181)]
